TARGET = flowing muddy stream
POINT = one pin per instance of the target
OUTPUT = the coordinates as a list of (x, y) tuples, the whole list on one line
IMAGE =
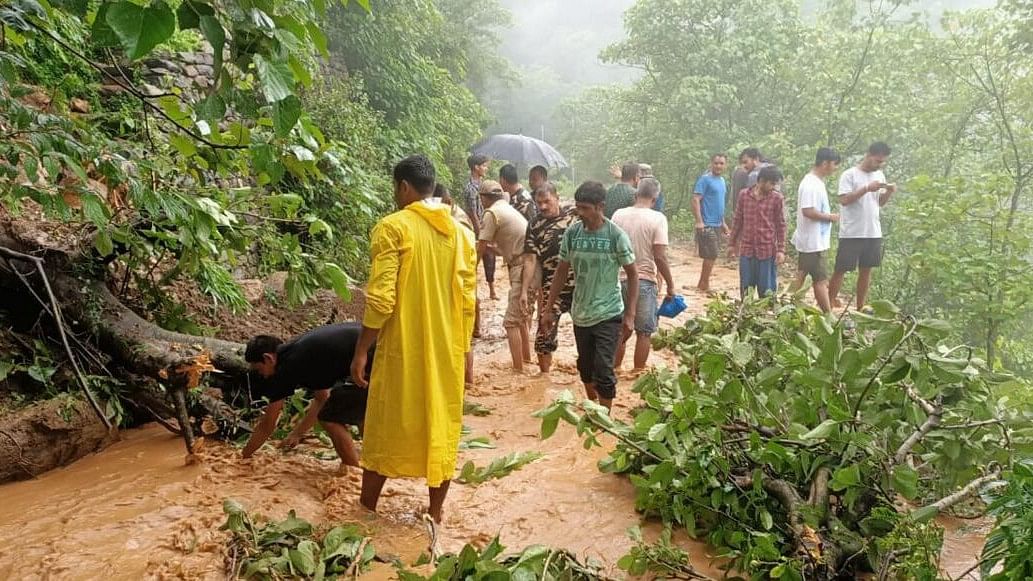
[(136, 510)]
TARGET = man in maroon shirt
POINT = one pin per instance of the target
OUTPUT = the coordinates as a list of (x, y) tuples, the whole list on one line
[(759, 233)]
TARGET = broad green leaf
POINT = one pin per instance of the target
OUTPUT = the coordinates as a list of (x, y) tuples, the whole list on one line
[(212, 30), (94, 208), (304, 557), (924, 514), (102, 242), (339, 280), (141, 28), (277, 78), (318, 227), (765, 519), (286, 113), (844, 478), (183, 144), (905, 481), (190, 12), (820, 432), (549, 425)]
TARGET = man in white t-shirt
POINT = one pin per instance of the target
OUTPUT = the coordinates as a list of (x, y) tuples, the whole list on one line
[(862, 192), (647, 230), (813, 235)]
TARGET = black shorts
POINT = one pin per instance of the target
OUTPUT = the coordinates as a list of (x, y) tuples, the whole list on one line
[(708, 242), (813, 264), (346, 406), (596, 350), (854, 252)]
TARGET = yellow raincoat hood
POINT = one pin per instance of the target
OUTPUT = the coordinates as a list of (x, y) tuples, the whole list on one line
[(437, 214)]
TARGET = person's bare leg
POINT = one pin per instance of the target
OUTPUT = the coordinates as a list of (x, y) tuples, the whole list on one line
[(372, 485), (343, 443), (704, 274), (545, 362), (864, 280), (437, 500), (468, 369), (516, 349), (618, 359), (821, 295), (835, 284), (491, 292), (525, 343), (590, 392), (477, 320), (606, 403), (801, 277), (642, 346)]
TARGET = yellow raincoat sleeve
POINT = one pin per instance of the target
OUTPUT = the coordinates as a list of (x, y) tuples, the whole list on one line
[(381, 290), (468, 279)]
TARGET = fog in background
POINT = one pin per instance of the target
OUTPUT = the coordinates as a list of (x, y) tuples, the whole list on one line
[(554, 48)]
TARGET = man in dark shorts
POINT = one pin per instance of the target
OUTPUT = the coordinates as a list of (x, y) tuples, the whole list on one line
[(863, 191), (708, 205), (814, 219), (596, 250), (318, 361)]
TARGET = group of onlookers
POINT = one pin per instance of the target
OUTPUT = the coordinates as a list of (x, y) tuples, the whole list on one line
[(757, 234)]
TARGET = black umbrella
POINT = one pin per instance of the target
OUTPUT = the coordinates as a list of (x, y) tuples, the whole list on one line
[(521, 150)]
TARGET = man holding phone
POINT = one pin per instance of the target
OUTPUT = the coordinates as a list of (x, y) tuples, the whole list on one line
[(863, 191)]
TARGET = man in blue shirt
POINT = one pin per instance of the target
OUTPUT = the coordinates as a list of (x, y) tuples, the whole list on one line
[(708, 204)]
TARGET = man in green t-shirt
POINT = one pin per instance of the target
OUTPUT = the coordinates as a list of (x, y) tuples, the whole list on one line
[(622, 195), (596, 249)]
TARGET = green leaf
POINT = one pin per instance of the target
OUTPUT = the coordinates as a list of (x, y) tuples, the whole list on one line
[(286, 113), (318, 226), (844, 478), (304, 557), (190, 12), (94, 209), (102, 242), (212, 30), (924, 514), (765, 519), (6, 367), (905, 481), (141, 28), (183, 144), (549, 424), (339, 280), (277, 78), (820, 432)]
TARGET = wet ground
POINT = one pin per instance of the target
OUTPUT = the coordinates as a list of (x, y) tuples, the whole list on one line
[(136, 510)]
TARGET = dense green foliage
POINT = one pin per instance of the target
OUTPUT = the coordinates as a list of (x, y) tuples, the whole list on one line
[(1010, 544), (282, 164), (288, 549), (783, 437), (952, 97)]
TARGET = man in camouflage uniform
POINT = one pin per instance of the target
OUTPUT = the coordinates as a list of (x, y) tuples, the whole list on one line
[(542, 249)]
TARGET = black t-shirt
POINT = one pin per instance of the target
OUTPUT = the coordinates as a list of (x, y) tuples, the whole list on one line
[(314, 360)]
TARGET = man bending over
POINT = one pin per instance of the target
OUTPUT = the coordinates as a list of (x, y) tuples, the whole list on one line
[(318, 361)]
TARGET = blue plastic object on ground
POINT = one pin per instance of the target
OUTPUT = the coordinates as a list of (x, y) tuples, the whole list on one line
[(671, 307)]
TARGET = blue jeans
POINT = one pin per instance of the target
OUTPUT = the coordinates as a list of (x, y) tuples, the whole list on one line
[(645, 308), (761, 274)]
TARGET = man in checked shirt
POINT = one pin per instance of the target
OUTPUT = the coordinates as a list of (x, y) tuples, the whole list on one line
[(759, 233)]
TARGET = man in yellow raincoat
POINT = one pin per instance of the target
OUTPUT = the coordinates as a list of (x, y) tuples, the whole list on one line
[(419, 312)]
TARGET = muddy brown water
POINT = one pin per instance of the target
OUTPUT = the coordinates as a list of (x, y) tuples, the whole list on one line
[(137, 511)]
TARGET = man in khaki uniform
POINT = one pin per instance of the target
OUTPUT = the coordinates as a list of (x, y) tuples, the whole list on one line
[(502, 231)]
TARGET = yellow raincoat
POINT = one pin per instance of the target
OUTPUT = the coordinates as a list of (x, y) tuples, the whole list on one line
[(421, 295)]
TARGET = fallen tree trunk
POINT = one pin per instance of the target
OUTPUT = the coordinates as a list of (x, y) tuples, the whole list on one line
[(137, 347), (48, 434)]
